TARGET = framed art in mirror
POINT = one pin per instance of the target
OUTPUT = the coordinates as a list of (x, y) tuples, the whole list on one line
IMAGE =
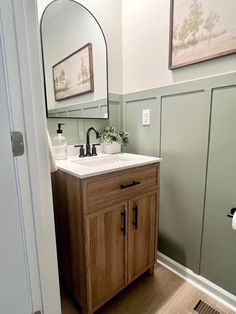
[(73, 75)]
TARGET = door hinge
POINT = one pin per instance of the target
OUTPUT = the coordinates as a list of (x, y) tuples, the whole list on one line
[(17, 143)]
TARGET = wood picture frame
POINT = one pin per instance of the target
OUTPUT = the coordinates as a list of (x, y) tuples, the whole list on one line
[(200, 31), (73, 75)]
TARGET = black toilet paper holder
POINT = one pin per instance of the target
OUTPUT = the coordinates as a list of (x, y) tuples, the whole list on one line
[(231, 212)]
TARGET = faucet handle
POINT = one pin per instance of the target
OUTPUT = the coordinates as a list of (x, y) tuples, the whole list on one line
[(94, 150), (81, 151)]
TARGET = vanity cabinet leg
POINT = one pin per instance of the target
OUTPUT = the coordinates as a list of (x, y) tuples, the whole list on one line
[(151, 271)]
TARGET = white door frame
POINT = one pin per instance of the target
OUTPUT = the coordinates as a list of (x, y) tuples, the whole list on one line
[(22, 63)]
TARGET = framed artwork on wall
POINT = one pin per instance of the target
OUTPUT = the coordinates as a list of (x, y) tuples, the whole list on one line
[(201, 30), (73, 76)]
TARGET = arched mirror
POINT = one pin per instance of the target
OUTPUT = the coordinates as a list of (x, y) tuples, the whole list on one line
[(75, 62)]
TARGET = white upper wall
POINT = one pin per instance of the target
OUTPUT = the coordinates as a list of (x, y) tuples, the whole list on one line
[(108, 14), (145, 30)]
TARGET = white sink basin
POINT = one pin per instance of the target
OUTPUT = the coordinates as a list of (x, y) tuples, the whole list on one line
[(103, 163), (96, 161)]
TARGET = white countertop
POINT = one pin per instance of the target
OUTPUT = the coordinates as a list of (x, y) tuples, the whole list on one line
[(103, 163)]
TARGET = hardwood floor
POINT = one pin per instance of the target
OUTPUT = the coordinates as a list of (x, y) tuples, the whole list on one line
[(163, 293)]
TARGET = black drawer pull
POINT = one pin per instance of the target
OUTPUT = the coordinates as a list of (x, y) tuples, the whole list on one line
[(129, 185), (123, 223), (231, 213), (135, 223)]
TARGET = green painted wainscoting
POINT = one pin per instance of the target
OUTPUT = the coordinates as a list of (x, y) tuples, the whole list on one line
[(184, 138), (218, 262), (181, 119), (75, 129)]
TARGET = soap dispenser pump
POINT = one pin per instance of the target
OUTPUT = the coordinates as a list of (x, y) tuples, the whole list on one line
[(60, 144)]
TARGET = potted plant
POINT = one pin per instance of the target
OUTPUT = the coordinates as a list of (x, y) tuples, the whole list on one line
[(112, 139)]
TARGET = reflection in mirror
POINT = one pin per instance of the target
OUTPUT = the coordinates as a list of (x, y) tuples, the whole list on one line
[(75, 62)]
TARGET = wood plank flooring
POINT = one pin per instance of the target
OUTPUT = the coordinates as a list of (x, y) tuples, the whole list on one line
[(163, 293)]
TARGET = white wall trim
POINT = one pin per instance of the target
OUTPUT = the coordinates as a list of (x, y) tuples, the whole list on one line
[(32, 109), (200, 282)]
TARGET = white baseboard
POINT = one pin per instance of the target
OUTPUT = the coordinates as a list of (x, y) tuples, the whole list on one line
[(200, 282)]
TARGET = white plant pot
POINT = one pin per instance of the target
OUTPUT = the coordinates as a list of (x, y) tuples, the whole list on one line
[(113, 148)]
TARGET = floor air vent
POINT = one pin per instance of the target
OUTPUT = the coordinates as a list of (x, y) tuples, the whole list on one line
[(204, 308)]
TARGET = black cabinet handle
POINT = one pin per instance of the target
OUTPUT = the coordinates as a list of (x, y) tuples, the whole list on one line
[(231, 213), (135, 223), (129, 185), (123, 222)]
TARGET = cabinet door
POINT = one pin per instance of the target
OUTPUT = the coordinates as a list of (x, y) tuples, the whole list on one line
[(107, 233), (142, 233)]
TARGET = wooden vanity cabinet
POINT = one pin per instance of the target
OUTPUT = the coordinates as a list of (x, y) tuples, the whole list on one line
[(106, 229)]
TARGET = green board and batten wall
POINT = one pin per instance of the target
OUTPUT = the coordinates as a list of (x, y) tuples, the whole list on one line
[(75, 129), (218, 257), (189, 124)]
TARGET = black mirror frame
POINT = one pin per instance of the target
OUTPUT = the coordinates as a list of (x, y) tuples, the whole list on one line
[(43, 64)]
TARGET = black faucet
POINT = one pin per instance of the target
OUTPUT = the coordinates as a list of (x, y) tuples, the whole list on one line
[(88, 149)]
